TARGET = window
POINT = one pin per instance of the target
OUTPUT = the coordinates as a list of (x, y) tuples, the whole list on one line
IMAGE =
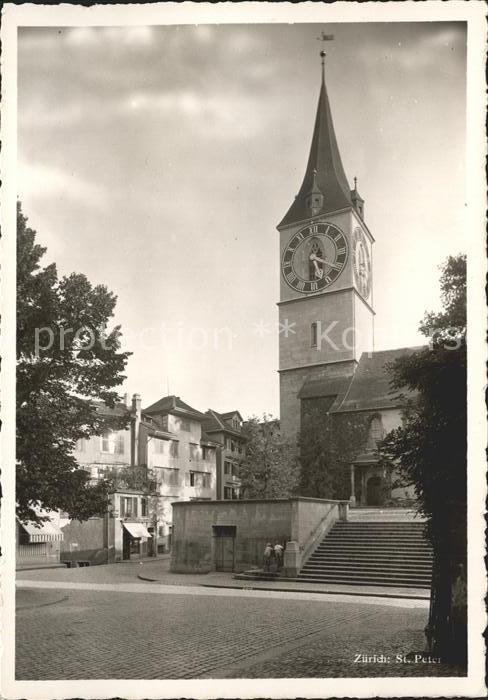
[(128, 506), (143, 507), (313, 335), (173, 450), (113, 443), (230, 493), (119, 443), (159, 446), (231, 468), (161, 531), (81, 445), (200, 479), (184, 424), (108, 442), (194, 451), (208, 453), (227, 443), (376, 432)]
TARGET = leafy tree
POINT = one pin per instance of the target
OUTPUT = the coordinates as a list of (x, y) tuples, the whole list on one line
[(269, 468), (430, 450), (327, 445), (66, 360)]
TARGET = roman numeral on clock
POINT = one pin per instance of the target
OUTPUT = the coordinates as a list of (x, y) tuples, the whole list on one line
[(291, 277), (341, 251)]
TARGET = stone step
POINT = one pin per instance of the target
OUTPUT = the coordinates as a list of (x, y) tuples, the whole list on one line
[(372, 553), (379, 560), (381, 579), (346, 580), (371, 546), (367, 566), (371, 525), (410, 561)]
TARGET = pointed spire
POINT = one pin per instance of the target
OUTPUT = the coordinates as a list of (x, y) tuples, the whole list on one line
[(324, 169)]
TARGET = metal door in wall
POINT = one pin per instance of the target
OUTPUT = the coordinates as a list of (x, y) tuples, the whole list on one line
[(224, 541)]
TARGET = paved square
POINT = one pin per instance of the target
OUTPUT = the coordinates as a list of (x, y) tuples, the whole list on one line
[(65, 633)]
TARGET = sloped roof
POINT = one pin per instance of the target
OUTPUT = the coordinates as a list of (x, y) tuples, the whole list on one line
[(333, 388), (206, 440), (324, 172), (370, 385), (230, 414), (217, 422), (120, 409), (173, 404)]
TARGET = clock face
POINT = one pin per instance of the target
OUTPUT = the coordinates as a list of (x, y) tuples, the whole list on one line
[(314, 257), (361, 263)]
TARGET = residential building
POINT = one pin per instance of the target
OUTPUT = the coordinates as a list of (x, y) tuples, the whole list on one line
[(226, 429), (123, 531), (161, 456), (181, 457)]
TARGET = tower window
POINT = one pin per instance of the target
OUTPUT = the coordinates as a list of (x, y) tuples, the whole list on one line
[(313, 334)]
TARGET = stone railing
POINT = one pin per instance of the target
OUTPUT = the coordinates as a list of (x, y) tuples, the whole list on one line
[(311, 519)]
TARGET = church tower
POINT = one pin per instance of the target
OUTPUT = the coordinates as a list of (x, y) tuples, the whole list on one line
[(325, 308)]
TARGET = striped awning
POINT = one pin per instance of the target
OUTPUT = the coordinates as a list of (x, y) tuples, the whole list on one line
[(137, 530), (43, 532)]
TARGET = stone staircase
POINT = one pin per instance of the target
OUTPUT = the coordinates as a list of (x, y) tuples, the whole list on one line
[(371, 553)]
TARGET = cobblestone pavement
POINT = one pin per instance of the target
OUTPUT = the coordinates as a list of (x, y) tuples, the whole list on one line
[(64, 633)]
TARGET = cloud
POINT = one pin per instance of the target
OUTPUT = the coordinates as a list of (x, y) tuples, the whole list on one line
[(89, 36), (41, 181)]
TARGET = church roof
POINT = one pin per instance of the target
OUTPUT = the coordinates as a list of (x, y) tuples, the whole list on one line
[(370, 385), (325, 159), (332, 388)]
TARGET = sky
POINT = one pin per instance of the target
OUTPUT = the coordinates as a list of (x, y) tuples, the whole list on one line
[(158, 160)]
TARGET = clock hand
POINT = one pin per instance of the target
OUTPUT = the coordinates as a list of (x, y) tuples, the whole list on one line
[(319, 273), (334, 266)]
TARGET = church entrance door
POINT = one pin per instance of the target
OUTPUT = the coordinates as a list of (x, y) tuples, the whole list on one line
[(375, 491)]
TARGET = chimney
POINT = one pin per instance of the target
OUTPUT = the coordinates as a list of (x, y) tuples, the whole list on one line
[(135, 429)]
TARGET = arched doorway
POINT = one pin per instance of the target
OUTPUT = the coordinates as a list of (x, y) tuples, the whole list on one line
[(375, 491)]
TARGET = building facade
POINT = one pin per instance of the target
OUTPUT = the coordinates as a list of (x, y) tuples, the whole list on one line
[(160, 457), (39, 545), (326, 300), (226, 430)]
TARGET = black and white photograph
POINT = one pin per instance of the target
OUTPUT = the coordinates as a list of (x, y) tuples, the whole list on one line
[(243, 425)]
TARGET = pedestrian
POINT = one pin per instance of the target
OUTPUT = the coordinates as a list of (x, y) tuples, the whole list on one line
[(268, 554), (278, 552)]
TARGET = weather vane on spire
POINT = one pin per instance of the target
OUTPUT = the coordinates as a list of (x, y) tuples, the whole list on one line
[(324, 37)]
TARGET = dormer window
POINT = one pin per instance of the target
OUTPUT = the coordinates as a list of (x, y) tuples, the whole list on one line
[(314, 202)]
